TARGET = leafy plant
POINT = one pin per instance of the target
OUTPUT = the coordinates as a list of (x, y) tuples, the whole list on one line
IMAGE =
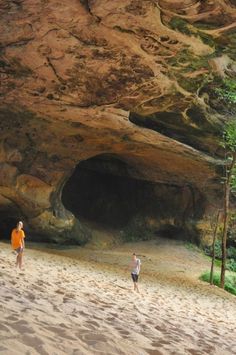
[(231, 265), (181, 25), (231, 253), (230, 281), (227, 91), (218, 251)]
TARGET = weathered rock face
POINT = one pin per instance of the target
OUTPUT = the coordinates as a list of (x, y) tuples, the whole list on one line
[(133, 79)]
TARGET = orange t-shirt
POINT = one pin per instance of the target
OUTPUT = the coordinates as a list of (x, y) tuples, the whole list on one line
[(17, 238)]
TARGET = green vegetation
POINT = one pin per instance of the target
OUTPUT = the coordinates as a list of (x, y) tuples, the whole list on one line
[(186, 62), (226, 44), (231, 265), (218, 251), (231, 256), (229, 187), (218, 263), (231, 252), (180, 25), (184, 27), (191, 246), (190, 84), (206, 38), (230, 281), (205, 26), (227, 91), (189, 61)]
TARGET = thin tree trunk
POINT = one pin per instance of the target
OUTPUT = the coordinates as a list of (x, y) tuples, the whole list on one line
[(213, 247), (226, 219), (224, 236)]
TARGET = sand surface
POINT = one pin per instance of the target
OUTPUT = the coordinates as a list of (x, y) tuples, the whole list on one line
[(84, 304)]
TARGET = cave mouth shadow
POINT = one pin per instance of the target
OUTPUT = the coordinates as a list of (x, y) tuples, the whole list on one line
[(8, 221), (101, 190), (104, 191)]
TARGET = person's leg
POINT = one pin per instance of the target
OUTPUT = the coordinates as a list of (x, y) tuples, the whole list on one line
[(17, 259), (133, 278), (17, 256), (20, 259), (136, 283)]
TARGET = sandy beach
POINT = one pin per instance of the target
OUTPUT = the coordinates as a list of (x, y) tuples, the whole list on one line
[(84, 304)]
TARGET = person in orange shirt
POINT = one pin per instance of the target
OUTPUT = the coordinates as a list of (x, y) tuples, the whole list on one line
[(18, 242)]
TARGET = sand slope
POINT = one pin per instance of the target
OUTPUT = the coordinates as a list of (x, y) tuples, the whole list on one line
[(58, 305)]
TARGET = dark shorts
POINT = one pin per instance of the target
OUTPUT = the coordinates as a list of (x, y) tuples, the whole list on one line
[(134, 277), (19, 250)]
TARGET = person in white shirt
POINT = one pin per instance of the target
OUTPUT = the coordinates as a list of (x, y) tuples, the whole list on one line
[(135, 270)]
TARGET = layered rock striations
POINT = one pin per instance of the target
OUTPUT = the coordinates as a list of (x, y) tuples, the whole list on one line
[(132, 80)]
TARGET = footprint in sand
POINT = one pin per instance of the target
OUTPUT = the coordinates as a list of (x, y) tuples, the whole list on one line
[(194, 352), (59, 291), (35, 343), (111, 319), (30, 296), (61, 332), (82, 332), (157, 344), (38, 288), (12, 318), (82, 313), (66, 299), (2, 348), (4, 328), (8, 298), (22, 327), (123, 332), (154, 352), (93, 338), (96, 324)]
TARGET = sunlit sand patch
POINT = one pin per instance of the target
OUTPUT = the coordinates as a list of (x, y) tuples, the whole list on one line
[(74, 306)]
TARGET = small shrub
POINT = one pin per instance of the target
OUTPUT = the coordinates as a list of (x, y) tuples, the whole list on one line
[(206, 38), (218, 252), (231, 253), (231, 256), (230, 281), (227, 91), (231, 265), (181, 25)]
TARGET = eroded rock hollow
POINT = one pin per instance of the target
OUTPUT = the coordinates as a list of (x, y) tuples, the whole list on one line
[(114, 103)]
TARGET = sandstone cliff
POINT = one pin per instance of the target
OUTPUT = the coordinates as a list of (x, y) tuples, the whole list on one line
[(130, 84)]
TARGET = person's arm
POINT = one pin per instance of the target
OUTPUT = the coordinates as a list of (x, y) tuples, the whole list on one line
[(129, 267), (23, 240), (138, 266)]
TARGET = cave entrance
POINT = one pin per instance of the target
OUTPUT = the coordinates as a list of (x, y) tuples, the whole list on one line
[(8, 221), (103, 190)]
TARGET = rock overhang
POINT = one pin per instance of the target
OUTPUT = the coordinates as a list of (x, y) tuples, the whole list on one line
[(68, 88)]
